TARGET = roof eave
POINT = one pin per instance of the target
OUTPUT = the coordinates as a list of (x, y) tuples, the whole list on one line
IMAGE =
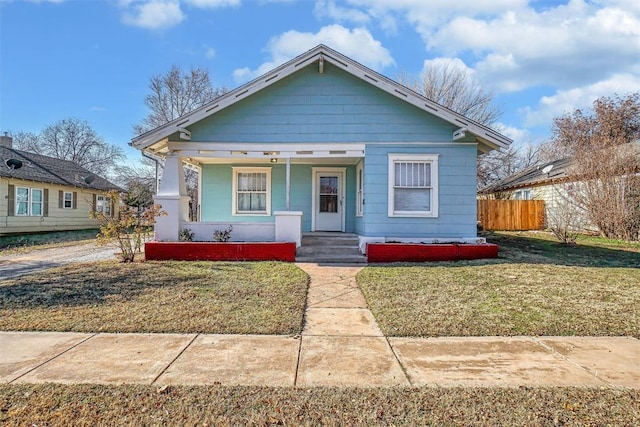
[(484, 134)]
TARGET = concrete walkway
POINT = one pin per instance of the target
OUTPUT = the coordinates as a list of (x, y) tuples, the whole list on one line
[(341, 345)]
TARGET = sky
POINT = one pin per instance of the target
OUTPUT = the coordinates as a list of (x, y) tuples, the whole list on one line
[(93, 59)]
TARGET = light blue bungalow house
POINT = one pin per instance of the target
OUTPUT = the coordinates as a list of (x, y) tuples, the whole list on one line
[(322, 143)]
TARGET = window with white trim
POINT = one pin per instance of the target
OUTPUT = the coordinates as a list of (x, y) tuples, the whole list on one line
[(103, 205), (29, 201), (360, 194), (251, 191), (67, 200), (413, 185)]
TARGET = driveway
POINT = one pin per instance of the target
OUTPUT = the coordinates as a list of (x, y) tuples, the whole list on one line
[(37, 260)]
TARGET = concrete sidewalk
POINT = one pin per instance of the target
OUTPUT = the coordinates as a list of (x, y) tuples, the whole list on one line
[(341, 345)]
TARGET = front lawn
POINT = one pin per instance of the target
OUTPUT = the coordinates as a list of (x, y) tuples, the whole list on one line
[(537, 287), (186, 297), (52, 404)]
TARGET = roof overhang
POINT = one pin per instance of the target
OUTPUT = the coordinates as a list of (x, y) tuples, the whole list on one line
[(156, 141)]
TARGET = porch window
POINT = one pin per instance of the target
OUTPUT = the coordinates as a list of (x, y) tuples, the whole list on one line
[(251, 191), (413, 185), (29, 201)]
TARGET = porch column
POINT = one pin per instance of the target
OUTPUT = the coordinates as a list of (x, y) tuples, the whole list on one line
[(288, 183), (172, 196)]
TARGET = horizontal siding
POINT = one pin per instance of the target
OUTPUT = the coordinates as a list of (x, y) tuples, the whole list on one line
[(217, 197), (457, 194), (57, 220), (309, 107)]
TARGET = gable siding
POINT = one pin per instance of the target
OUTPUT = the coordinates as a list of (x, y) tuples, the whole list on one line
[(309, 107), (457, 189)]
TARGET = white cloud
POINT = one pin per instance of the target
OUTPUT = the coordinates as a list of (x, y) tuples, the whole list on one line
[(519, 44), (518, 135), (329, 9), (565, 101), (162, 14), (213, 3), (209, 52), (441, 62), (357, 44), (154, 14)]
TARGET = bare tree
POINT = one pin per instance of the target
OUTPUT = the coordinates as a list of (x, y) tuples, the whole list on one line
[(26, 141), (605, 144), (75, 140), (134, 177), (175, 94), (499, 164), (457, 89)]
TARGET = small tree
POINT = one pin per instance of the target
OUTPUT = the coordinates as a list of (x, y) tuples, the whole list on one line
[(173, 95), (603, 143), (565, 218), (75, 140), (129, 230)]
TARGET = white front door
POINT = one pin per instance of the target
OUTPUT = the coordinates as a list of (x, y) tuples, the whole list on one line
[(329, 200)]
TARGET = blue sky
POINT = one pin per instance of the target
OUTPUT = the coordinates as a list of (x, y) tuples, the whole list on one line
[(93, 59)]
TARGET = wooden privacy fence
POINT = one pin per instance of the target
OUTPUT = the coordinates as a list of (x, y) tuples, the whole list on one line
[(514, 215)]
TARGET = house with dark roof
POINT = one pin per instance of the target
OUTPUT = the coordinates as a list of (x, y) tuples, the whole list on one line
[(533, 183), (322, 143), (40, 193)]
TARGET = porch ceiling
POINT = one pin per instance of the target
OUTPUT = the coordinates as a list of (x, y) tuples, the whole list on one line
[(209, 153)]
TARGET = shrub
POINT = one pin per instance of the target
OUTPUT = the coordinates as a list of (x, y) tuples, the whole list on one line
[(129, 229), (186, 235), (222, 235)]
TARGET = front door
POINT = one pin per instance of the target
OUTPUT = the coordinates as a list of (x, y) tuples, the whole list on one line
[(329, 200)]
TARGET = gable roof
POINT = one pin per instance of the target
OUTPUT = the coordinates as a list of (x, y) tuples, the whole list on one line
[(486, 137), (39, 168), (544, 173)]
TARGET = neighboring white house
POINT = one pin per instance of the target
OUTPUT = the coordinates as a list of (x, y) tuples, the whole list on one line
[(40, 193), (322, 143)]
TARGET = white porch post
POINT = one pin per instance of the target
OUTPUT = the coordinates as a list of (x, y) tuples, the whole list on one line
[(172, 196), (288, 183)]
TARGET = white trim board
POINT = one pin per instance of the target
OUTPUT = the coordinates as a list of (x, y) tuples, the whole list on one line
[(343, 191)]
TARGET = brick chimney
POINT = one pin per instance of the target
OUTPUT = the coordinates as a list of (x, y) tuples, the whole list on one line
[(6, 140)]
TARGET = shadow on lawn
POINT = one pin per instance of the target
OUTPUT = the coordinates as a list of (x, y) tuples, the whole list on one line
[(75, 286), (532, 250)]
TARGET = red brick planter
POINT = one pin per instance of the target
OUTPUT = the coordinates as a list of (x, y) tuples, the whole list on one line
[(413, 252), (218, 251)]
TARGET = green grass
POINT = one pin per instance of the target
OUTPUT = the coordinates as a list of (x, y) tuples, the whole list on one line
[(181, 297), (97, 405), (27, 242), (537, 287)]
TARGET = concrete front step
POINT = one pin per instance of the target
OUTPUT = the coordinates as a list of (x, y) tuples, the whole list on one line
[(330, 248), (333, 259), (330, 239)]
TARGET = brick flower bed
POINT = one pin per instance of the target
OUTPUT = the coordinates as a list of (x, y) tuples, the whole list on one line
[(415, 252), (221, 251)]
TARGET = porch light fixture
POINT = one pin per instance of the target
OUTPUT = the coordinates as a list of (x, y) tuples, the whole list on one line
[(273, 160)]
